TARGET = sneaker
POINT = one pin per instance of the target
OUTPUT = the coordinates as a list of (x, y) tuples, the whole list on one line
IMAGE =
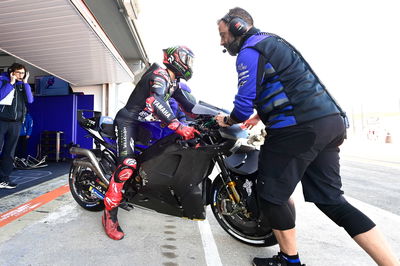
[(276, 260), (7, 183)]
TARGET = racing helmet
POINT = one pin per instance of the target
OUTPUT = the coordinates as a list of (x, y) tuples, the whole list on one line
[(179, 59)]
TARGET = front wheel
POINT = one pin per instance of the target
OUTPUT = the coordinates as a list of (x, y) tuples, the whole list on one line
[(82, 180), (240, 220)]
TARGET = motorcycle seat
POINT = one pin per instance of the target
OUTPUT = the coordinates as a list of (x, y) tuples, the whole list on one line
[(106, 126)]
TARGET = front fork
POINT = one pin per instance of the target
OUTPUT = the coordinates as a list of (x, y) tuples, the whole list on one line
[(229, 184), (234, 204)]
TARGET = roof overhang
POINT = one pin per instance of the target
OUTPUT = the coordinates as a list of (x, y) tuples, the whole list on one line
[(67, 39)]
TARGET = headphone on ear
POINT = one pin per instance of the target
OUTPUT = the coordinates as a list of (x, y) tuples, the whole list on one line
[(237, 26)]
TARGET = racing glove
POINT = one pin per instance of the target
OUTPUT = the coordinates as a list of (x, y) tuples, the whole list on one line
[(185, 131)]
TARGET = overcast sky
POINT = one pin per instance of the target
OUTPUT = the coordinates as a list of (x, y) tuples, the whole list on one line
[(352, 45)]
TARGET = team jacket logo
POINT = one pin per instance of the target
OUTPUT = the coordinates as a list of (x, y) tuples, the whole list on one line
[(241, 67)]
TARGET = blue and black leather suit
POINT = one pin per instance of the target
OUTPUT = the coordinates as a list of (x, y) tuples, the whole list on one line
[(156, 85)]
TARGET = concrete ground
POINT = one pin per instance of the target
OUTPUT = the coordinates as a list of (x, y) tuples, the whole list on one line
[(62, 233)]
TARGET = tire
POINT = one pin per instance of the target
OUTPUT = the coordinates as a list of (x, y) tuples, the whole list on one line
[(80, 180), (244, 229)]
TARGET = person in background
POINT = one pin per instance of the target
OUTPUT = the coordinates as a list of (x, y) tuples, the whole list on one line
[(305, 127), (149, 98), (25, 134), (13, 84)]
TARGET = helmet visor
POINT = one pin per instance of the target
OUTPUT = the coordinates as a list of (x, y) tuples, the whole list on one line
[(186, 59)]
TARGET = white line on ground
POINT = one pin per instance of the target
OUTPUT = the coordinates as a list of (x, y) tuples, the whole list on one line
[(210, 248)]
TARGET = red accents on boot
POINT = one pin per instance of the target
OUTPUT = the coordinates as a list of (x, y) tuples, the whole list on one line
[(114, 195), (111, 225)]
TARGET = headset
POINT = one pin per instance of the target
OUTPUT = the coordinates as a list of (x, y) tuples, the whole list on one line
[(237, 26)]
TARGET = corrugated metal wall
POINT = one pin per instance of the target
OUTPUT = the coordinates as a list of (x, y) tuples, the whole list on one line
[(53, 36)]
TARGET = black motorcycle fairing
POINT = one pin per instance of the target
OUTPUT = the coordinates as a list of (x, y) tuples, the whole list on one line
[(158, 148), (173, 175), (243, 163)]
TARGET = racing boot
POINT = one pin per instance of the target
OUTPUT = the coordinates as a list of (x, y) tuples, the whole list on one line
[(114, 196), (111, 225), (278, 260)]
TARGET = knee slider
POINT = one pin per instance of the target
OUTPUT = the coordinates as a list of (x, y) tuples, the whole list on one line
[(347, 216), (125, 170), (279, 217)]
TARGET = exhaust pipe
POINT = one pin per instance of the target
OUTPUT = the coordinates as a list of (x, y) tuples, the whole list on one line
[(93, 164)]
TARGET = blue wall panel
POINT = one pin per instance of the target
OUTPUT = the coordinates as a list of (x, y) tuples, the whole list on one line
[(58, 113)]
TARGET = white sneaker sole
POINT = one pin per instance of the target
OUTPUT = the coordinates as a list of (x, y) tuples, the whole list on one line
[(7, 186)]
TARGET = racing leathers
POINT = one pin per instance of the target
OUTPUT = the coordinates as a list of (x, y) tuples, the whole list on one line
[(148, 99)]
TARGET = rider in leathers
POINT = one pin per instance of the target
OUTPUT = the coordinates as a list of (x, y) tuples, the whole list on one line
[(149, 98)]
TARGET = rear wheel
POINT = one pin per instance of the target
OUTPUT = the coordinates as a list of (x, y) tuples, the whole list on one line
[(241, 220), (82, 180)]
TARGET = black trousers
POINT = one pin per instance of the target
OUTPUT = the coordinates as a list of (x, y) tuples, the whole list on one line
[(9, 134), (308, 153), (22, 147)]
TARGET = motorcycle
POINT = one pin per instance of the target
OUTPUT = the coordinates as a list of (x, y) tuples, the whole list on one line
[(174, 175)]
